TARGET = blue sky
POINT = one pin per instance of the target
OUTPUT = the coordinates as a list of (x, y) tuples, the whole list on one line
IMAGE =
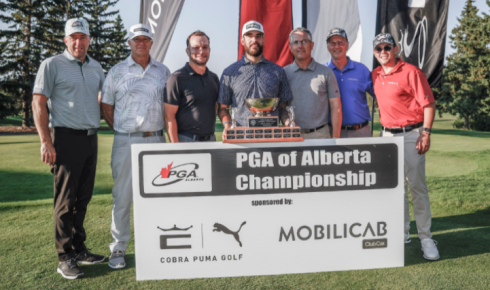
[(219, 19)]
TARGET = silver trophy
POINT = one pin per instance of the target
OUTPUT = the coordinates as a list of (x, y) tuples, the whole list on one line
[(233, 117), (290, 110), (262, 107)]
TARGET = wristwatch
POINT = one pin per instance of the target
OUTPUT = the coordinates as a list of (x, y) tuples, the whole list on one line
[(424, 129)]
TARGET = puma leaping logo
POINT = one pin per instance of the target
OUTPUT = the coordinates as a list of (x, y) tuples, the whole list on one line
[(222, 228)]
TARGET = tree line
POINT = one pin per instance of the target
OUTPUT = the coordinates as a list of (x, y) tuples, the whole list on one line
[(465, 90), (35, 32)]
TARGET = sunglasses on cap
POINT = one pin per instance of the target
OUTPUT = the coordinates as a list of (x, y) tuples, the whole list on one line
[(387, 48)]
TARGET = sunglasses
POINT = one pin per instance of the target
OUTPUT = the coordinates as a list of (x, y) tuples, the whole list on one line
[(387, 48)]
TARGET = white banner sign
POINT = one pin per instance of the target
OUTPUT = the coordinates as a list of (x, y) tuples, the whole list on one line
[(220, 210)]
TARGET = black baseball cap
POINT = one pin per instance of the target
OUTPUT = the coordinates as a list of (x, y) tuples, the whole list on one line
[(337, 31), (384, 38)]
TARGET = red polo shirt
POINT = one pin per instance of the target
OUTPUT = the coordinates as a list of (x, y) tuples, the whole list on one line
[(402, 94)]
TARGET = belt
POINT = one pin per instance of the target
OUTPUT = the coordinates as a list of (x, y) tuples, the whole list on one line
[(311, 130), (352, 127), (88, 132), (141, 134), (195, 137), (403, 129)]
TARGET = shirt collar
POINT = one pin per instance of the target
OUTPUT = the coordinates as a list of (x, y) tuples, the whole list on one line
[(397, 67), (247, 61), (70, 57), (350, 65), (132, 62), (191, 71), (311, 66)]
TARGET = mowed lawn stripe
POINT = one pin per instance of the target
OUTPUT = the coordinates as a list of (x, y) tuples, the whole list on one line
[(458, 180)]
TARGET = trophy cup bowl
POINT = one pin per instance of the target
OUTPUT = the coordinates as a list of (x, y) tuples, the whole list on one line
[(262, 107)]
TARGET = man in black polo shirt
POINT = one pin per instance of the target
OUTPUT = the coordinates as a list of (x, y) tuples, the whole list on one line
[(190, 95)]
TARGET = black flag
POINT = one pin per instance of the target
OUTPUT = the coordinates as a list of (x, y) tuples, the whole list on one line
[(419, 29), (162, 17)]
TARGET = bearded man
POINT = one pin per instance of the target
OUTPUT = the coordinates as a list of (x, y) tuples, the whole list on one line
[(190, 95), (252, 77)]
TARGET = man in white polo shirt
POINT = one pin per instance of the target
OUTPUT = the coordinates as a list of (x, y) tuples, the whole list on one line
[(132, 105), (69, 84)]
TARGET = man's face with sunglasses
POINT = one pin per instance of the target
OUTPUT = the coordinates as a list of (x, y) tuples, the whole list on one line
[(385, 54)]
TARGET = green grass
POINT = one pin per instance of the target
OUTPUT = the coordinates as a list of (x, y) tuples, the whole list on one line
[(458, 175)]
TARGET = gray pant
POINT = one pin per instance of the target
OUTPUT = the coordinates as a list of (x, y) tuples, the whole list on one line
[(363, 132), (122, 192), (321, 133), (183, 138), (415, 177)]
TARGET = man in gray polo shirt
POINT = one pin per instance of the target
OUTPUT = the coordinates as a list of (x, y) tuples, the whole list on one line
[(132, 105), (69, 84), (314, 87)]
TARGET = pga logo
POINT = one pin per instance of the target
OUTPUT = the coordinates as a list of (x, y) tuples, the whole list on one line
[(177, 173)]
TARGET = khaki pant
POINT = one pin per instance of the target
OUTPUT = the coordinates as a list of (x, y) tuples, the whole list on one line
[(415, 177), (122, 192), (321, 133)]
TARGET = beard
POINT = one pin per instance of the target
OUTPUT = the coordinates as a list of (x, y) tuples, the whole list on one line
[(259, 51), (200, 63)]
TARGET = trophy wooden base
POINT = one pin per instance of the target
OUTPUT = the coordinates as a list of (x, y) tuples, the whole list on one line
[(264, 134)]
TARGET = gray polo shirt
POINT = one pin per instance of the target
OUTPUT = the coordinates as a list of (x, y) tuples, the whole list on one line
[(72, 89), (312, 88)]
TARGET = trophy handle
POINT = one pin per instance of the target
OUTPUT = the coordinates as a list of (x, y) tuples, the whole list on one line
[(233, 117), (290, 110)]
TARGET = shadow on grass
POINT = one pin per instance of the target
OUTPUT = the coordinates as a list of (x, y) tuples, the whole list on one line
[(103, 269), (464, 133), (469, 236), (35, 186), (26, 142)]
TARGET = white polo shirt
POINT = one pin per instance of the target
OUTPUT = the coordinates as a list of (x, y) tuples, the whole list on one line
[(137, 95)]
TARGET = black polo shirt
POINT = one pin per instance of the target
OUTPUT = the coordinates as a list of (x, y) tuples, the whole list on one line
[(196, 96)]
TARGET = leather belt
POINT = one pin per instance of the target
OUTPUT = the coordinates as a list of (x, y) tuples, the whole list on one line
[(353, 127), (195, 137), (311, 130), (141, 134), (402, 129), (88, 132)]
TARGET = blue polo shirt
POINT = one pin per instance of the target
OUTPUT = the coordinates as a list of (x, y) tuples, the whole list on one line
[(354, 81)]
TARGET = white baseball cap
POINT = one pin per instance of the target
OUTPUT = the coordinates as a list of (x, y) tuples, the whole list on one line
[(252, 25), (75, 25), (140, 29)]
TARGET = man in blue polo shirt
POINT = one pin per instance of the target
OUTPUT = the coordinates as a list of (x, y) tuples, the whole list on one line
[(354, 80)]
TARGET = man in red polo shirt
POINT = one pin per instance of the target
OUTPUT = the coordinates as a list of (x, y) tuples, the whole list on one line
[(407, 109)]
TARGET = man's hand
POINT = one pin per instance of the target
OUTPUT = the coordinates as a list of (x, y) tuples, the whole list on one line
[(225, 127), (224, 116), (48, 153), (423, 143)]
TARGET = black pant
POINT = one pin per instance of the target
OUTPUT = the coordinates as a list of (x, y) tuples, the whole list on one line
[(74, 176)]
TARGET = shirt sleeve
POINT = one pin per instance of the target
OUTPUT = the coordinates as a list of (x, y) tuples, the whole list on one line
[(108, 94), (171, 92), (422, 91), (225, 90), (332, 85), (369, 85), (45, 79), (284, 89), (102, 79)]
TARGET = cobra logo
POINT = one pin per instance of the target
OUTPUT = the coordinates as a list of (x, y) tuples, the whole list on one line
[(421, 31), (173, 174)]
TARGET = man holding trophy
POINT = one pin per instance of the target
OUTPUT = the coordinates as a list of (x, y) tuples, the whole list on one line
[(315, 89), (252, 77)]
